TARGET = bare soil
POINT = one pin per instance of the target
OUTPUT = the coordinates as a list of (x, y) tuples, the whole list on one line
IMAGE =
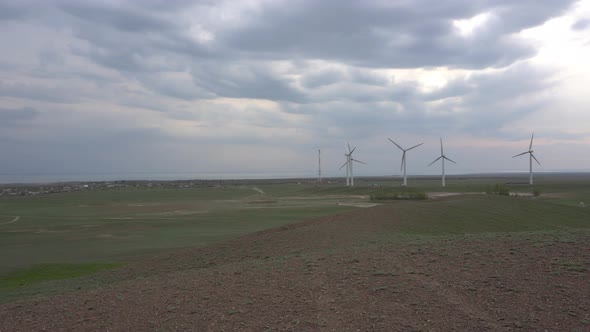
[(335, 274), (439, 194)]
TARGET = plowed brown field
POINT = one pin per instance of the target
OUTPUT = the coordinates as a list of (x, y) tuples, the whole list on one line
[(337, 274)]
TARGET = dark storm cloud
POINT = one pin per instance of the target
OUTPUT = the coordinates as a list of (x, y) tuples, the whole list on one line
[(322, 78), (128, 52), (408, 34), (245, 80), (125, 18), (145, 38), (478, 104), (122, 60), (518, 15), (142, 40), (132, 38)]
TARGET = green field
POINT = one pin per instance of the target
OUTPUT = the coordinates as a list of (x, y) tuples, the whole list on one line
[(67, 235), (118, 225)]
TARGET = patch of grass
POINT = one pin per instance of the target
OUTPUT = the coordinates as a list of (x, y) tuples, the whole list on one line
[(390, 194), (484, 214), (121, 225), (574, 267), (48, 272)]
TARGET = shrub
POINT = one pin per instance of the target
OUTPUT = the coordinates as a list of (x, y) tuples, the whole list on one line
[(498, 189), (536, 192)]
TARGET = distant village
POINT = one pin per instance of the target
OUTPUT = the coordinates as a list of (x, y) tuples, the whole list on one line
[(52, 188), (25, 189)]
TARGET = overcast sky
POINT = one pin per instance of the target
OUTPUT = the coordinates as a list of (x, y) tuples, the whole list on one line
[(258, 86)]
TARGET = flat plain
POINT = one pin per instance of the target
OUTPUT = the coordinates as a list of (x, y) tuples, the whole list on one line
[(292, 256)]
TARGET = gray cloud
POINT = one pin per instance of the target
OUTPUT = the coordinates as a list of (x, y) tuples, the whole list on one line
[(484, 88), (479, 104), (11, 11), (326, 64), (10, 117), (126, 18), (35, 92), (400, 35), (322, 78), (245, 80), (581, 24), (175, 88), (145, 40), (368, 78), (483, 103)]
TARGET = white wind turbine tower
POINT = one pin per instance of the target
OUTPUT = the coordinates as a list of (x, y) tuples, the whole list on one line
[(347, 155), (348, 164), (442, 157), (403, 166), (531, 157)]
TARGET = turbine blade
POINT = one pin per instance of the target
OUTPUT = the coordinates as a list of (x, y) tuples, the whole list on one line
[(520, 154), (435, 160), (441, 148), (449, 159), (415, 146), (352, 150), (346, 163), (532, 155), (358, 161), (348, 145), (395, 144), (531, 145)]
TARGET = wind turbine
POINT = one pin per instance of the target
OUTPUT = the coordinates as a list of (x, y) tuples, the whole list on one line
[(442, 157), (531, 157), (348, 164), (403, 166)]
